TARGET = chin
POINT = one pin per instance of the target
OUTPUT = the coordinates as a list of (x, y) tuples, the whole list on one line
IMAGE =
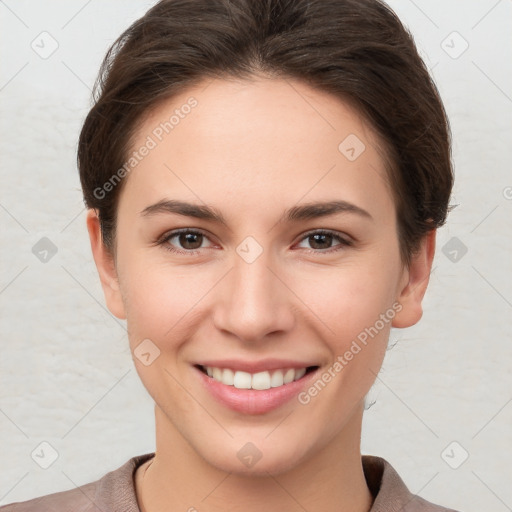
[(255, 458)]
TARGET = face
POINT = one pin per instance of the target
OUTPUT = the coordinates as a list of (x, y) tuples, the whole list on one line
[(252, 280)]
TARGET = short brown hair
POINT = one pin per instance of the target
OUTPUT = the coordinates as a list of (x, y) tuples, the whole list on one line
[(356, 49)]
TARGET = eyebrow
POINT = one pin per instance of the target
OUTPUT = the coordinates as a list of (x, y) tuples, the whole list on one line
[(302, 212)]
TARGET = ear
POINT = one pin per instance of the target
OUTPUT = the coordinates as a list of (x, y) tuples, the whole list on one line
[(414, 283), (106, 266)]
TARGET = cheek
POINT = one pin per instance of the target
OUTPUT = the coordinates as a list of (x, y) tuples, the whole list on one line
[(160, 298), (348, 299), (356, 313), (355, 307)]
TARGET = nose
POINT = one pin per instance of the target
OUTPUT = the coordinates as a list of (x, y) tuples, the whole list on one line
[(254, 301)]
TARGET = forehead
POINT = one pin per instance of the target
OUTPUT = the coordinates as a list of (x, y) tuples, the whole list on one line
[(263, 139)]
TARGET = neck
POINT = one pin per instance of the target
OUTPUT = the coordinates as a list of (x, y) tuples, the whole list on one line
[(177, 478)]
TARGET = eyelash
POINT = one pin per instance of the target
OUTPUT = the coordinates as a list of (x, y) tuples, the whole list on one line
[(165, 238)]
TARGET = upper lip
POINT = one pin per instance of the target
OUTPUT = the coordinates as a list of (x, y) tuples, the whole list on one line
[(256, 366)]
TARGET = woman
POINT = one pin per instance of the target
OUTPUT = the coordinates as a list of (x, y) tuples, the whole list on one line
[(264, 182)]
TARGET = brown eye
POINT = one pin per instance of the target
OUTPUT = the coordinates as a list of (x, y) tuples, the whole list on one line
[(190, 240), (321, 241), (186, 241)]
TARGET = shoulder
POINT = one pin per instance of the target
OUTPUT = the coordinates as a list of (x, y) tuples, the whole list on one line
[(80, 499), (389, 490), (114, 491)]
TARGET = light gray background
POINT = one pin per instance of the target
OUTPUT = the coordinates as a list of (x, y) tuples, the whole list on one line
[(67, 377)]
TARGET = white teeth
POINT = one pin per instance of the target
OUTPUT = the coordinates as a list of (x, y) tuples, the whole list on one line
[(260, 380), (277, 379), (288, 376), (299, 373), (242, 380), (228, 376)]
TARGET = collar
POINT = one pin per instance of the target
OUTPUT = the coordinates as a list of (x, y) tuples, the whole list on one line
[(115, 492)]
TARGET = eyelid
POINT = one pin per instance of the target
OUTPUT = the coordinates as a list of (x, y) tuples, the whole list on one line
[(322, 231), (345, 240), (174, 232)]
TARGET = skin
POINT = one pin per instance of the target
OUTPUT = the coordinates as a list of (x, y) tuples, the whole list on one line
[(252, 149)]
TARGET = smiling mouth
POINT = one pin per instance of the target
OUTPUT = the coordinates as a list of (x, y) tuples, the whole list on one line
[(260, 380)]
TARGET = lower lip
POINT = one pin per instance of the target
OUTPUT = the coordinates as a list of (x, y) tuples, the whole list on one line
[(253, 401)]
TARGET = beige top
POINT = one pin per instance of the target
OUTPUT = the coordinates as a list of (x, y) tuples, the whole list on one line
[(115, 492)]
